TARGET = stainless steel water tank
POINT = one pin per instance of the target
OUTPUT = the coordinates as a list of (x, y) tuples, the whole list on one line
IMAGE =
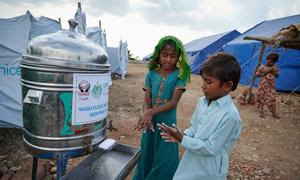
[(47, 90)]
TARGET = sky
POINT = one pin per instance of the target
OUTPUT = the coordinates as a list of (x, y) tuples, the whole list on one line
[(143, 22)]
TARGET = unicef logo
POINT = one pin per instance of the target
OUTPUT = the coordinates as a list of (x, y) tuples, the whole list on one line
[(97, 91)]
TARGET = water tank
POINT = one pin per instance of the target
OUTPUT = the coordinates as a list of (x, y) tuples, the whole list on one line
[(65, 79)]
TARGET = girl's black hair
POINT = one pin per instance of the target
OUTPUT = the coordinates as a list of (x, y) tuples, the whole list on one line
[(224, 67), (273, 56)]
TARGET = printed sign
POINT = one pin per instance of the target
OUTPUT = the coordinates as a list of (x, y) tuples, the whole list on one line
[(90, 98)]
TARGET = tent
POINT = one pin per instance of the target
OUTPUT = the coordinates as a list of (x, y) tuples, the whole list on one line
[(148, 57), (247, 52), (123, 53), (97, 35), (15, 34), (118, 59), (43, 25), (114, 60), (117, 56), (81, 19), (198, 50)]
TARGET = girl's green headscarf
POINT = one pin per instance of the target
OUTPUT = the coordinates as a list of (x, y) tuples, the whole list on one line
[(182, 65)]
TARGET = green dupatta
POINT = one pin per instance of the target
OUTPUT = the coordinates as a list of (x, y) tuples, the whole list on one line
[(182, 65)]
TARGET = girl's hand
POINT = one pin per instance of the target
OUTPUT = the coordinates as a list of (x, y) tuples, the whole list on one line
[(147, 121), (144, 122), (138, 125), (266, 73), (170, 134)]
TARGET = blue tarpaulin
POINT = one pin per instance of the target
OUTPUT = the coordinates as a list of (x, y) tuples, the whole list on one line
[(247, 53), (198, 50)]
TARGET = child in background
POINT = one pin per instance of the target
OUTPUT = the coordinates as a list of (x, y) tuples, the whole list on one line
[(215, 124), (164, 84), (266, 92)]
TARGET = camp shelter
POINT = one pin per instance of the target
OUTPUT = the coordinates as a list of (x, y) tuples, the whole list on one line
[(97, 35), (247, 53), (148, 57), (118, 59), (114, 60), (15, 34), (200, 49)]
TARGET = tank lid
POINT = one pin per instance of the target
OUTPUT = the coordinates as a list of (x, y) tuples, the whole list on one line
[(66, 48)]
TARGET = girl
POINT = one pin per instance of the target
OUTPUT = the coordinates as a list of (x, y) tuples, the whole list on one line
[(266, 90), (164, 84)]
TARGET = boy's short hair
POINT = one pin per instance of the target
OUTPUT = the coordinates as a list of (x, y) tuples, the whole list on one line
[(273, 56), (224, 67)]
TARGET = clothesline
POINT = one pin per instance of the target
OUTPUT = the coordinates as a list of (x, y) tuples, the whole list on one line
[(293, 92)]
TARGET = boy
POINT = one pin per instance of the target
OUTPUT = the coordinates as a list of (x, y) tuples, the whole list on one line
[(215, 124)]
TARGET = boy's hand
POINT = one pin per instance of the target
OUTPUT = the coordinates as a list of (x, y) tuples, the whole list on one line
[(170, 134)]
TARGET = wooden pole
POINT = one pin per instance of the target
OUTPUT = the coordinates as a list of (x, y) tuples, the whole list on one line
[(285, 43), (261, 53)]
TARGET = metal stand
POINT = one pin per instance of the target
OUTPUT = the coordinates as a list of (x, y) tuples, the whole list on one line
[(61, 165), (34, 168)]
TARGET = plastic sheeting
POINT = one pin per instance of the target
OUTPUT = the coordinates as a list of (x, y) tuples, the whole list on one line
[(80, 17), (200, 49), (147, 58), (114, 60), (39, 24), (118, 59), (97, 35), (123, 53), (247, 53), (14, 36), (117, 56)]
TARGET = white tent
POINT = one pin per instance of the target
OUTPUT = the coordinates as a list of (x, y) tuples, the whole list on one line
[(123, 53), (43, 25), (117, 56), (118, 59), (97, 35), (15, 34), (80, 17), (114, 60)]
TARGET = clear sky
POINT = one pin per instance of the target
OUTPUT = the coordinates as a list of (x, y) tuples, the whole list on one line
[(143, 22)]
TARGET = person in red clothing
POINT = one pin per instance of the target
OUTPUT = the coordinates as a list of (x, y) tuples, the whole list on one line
[(266, 93)]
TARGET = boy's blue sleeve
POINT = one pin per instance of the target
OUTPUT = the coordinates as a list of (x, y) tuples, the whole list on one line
[(147, 82), (230, 128), (195, 118)]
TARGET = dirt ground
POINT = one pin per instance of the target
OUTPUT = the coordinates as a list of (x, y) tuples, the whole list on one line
[(267, 149)]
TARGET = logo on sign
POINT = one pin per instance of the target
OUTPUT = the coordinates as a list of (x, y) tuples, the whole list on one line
[(97, 91), (84, 87)]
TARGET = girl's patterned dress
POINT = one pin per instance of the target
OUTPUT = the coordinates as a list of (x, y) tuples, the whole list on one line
[(159, 159), (266, 90)]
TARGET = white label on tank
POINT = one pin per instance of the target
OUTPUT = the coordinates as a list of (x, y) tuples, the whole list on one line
[(33, 97), (90, 98)]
